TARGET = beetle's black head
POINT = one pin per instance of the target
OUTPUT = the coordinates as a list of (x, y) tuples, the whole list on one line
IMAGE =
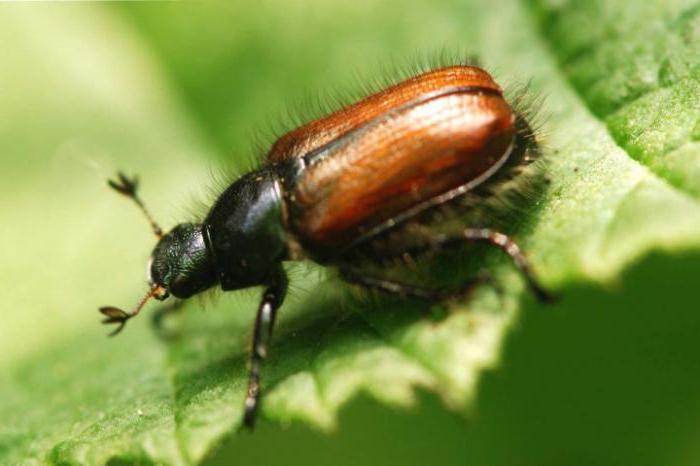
[(180, 263)]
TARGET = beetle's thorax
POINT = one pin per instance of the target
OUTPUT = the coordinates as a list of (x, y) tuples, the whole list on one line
[(244, 231)]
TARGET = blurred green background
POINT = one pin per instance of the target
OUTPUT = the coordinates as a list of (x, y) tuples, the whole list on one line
[(176, 91)]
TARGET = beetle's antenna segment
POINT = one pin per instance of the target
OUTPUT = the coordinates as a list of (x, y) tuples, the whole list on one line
[(114, 315), (128, 187)]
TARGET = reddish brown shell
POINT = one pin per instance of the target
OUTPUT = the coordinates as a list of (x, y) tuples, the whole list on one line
[(315, 134), (395, 151)]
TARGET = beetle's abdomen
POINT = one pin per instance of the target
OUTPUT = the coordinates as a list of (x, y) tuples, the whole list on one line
[(409, 153)]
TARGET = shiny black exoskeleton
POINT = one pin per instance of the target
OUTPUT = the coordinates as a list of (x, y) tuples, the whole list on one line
[(241, 243)]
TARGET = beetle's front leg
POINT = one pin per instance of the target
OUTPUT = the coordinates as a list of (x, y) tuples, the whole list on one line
[(272, 299)]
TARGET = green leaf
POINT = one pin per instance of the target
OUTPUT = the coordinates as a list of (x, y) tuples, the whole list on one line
[(169, 90)]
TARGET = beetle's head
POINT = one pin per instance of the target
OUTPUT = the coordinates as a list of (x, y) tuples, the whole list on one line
[(180, 264)]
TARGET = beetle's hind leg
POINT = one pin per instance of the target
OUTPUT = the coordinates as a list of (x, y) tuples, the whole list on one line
[(487, 235), (497, 239), (510, 247), (272, 299)]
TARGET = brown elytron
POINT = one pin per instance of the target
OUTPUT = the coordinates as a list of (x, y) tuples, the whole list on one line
[(315, 134), (395, 150)]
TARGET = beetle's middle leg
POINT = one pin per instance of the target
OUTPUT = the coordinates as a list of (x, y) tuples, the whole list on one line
[(408, 291), (272, 299)]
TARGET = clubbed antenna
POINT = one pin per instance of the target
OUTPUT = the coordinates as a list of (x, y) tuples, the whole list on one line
[(114, 315), (128, 187)]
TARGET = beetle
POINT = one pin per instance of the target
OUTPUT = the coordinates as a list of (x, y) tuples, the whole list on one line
[(346, 188)]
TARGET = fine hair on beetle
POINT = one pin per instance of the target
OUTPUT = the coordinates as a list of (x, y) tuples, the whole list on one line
[(438, 157), (506, 202)]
